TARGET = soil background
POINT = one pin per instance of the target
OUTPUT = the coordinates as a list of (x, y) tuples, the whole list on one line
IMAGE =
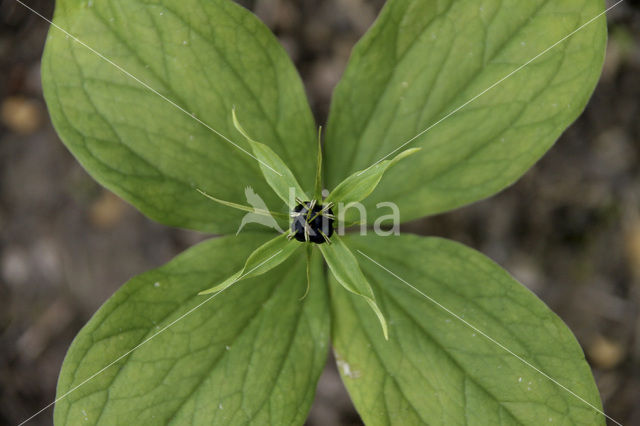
[(569, 229)]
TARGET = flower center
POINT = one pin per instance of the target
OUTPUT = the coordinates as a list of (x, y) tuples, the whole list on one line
[(312, 222)]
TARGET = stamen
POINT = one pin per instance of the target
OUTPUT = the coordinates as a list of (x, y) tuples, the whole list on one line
[(311, 205), (326, 239), (327, 206), (312, 222)]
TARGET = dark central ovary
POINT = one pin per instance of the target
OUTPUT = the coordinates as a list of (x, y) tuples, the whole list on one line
[(317, 220)]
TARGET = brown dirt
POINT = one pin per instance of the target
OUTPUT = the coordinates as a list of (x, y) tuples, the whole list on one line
[(569, 229)]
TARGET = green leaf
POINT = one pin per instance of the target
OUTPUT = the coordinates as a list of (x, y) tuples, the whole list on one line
[(422, 60), (204, 56), (263, 259), (275, 171), (436, 369), (344, 267), (359, 185), (251, 354)]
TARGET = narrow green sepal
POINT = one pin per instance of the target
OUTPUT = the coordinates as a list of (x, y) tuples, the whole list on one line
[(275, 171), (345, 268), (308, 250), (263, 259), (318, 188), (262, 212), (359, 185)]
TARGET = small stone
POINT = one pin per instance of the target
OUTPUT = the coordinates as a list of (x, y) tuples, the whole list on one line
[(605, 353), (21, 115), (106, 211)]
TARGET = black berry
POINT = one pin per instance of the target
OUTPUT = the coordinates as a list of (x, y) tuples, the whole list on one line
[(318, 221)]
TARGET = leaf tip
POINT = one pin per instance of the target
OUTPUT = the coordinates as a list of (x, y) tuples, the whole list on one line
[(385, 328), (383, 321), (237, 125), (234, 117), (406, 153)]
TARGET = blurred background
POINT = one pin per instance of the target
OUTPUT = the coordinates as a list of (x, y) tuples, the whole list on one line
[(569, 229)]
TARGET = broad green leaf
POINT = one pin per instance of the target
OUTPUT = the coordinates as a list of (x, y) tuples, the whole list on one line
[(359, 185), (424, 59), (435, 369), (204, 56), (344, 267), (251, 354), (275, 171), (263, 259)]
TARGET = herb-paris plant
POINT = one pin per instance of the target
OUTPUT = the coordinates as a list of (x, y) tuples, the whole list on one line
[(251, 351)]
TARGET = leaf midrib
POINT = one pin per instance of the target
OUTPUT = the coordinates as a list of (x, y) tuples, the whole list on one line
[(449, 355), (250, 321), (107, 388), (446, 104), (464, 159), (242, 81)]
